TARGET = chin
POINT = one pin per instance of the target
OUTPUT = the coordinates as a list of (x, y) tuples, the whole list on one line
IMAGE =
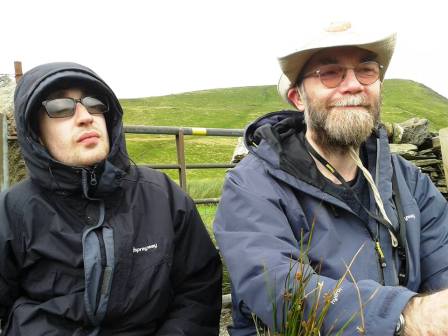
[(90, 159)]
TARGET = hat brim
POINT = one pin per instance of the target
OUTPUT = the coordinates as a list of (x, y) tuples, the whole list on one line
[(292, 64), (283, 87)]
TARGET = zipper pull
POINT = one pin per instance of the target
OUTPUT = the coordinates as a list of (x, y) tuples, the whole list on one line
[(393, 238), (93, 180), (380, 254)]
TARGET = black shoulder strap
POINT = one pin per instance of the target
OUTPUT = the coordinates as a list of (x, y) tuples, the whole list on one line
[(403, 254)]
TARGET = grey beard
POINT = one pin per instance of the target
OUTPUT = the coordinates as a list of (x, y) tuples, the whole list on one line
[(339, 130)]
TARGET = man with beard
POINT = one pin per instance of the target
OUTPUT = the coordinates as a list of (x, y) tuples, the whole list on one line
[(324, 176)]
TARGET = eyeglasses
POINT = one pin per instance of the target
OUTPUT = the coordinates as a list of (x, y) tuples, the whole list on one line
[(65, 107), (331, 75)]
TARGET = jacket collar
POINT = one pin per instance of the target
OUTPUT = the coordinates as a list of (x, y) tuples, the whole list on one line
[(278, 139)]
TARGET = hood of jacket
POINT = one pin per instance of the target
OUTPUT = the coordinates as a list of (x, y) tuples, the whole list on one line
[(43, 169), (278, 139)]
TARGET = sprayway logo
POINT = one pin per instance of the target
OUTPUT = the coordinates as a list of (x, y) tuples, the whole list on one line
[(408, 217), (144, 248), (336, 295)]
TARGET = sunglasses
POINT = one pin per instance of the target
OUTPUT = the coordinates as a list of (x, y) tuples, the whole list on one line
[(331, 75), (65, 107)]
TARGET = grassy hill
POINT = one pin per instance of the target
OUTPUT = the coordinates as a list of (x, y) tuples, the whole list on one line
[(224, 108), (235, 108), (405, 99)]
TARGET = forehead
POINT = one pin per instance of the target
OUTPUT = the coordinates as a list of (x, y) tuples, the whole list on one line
[(340, 55), (66, 93)]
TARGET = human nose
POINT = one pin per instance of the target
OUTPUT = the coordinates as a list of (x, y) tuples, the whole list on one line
[(349, 82), (82, 115)]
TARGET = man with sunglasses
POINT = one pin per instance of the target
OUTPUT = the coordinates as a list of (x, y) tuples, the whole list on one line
[(90, 244), (325, 176)]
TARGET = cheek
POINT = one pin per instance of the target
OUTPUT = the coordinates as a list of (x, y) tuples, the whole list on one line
[(101, 126), (55, 138), (318, 93), (374, 90)]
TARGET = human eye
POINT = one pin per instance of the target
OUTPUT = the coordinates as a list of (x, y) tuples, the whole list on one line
[(368, 69), (59, 107), (330, 71), (94, 105)]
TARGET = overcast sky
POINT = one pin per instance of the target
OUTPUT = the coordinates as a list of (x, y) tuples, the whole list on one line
[(147, 48)]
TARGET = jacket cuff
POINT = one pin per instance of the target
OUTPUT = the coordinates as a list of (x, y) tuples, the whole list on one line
[(383, 318)]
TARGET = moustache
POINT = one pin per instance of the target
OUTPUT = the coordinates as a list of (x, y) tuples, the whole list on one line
[(358, 100)]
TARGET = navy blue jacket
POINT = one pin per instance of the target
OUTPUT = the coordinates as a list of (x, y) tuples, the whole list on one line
[(107, 250), (276, 192)]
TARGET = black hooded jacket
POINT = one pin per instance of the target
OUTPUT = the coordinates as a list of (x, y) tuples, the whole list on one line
[(109, 250)]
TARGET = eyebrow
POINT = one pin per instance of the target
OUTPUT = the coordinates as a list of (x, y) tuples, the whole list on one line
[(327, 60), (63, 93), (57, 94), (331, 60), (370, 57)]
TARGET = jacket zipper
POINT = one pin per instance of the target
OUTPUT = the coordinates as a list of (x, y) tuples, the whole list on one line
[(98, 232), (382, 260), (93, 181), (99, 235)]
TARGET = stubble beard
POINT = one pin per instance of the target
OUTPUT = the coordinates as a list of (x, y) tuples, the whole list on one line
[(336, 129), (88, 158)]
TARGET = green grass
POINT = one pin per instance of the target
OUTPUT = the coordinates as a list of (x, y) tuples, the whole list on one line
[(405, 99), (207, 213), (205, 187), (220, 108)]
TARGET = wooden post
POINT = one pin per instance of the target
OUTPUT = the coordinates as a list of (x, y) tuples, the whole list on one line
[(180, 146), (18, 70), (443, 136)]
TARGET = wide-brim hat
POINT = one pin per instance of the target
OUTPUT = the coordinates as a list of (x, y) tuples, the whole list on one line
[(283, 86), (339, 35)]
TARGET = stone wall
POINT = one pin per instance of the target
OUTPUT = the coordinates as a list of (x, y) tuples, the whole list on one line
[(17, 169), (413, 141)]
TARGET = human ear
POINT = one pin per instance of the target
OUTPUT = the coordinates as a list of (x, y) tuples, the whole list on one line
[(295, 98)]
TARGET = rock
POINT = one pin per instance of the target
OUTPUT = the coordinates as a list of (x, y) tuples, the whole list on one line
[(443, 190), (429, 169), (408, 151), (7, 87), (240, 151), (429, 151), (226, 320), (434, 175), (426, 162), (436, 142), (414, 131), (389, 129), (16, 165)]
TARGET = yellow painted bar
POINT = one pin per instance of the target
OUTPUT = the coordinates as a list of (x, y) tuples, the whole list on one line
[(198, 131)]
